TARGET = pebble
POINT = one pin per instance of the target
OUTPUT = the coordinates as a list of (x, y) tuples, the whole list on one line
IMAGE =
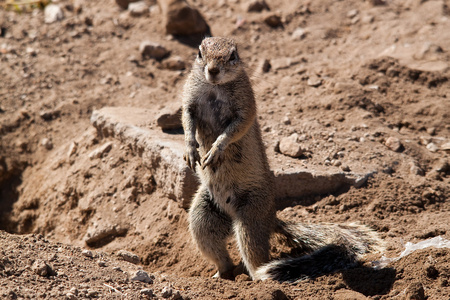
[(298, 34), (48, 115), (128, 256), (124, 3), (273, 21), (314, 81), (47, 143), (41, 268), (416, 170), (265, 65), (72, 149), (282, 63), (101, 263), (154, 50), (182, 18), (147, 292), (87, 253), (142, 276), (169, 120), (257, 6), (174, 64), (53, 13), (446, 147), (394, 144), (431, 130), (70, 296), (352, 13), (138, 9), (166, 292), (345, 168), (290, 146), (432, 147), (101, 151), (286, 120)]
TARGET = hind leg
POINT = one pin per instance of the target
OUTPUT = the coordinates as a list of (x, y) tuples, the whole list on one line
[(210, 229)]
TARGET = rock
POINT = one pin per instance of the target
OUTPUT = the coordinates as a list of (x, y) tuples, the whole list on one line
[(283, 63), (166, 292), (150, 49), (92, 293), (265, 66), (71, 296), (174, 63), (314, 81), (102, 234), (170, 120), (289, 146), (352, 13), (431, 131), (53, 13), (257, 6), (182, 19), (142, 276), (48, 115), (101, 151), (432, 147), (298, 34), (273, 21), (87, 253), (47, 143), (446, 147), (72, 149), (443, 166), (138, 9), (278, 295), (394, 144), (147, 292), (101, 263), (41, 268), (415, 291), (416, 170), (124, 3), (128, 256)]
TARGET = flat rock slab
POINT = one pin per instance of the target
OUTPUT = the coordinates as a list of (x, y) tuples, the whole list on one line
[(162, 153)]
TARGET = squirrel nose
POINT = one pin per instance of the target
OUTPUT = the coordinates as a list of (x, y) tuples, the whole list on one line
[(213, 71)]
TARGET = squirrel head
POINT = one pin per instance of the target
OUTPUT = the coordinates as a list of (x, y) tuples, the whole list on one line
[(218, 60)]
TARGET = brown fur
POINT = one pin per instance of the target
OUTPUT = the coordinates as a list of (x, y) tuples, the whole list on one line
[(224, 146)]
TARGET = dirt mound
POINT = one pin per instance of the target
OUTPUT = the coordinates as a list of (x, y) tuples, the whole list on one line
[(363, 85)]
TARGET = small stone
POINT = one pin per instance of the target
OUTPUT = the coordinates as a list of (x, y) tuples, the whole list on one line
[(137, 9), (128, 256), (174, 64), (170, 120), (101, 263), (415, 291), (265, 65), (352, 13), (339, 117), (446, 147), (273, 21), (257, 6), (87, 253), (92, 293), (101, 151), (314, 81), (49, 115), (182, 18), (153, 50), (416, 170), (345, 168), (70, 296), (53, 13), (289, 146), (286, 120), (142, 276), (72, 149), (124, 3), (166, 292), (242, 277), (394, 144), (278, 295), (432, 147), (298, 34), (47, 143), (147, 292), (431, 130), (282, 63), (41, 268)]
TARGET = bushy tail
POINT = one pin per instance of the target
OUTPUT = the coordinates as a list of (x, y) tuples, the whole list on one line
[(327, 248)]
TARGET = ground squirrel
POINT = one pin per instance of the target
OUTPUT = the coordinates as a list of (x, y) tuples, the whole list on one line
[(236, 193)]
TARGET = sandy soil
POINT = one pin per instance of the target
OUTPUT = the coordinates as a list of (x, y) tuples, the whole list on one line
[(366, 87)]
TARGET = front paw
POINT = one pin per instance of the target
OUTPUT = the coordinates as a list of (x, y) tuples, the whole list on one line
[(191, 156), (212, 158)]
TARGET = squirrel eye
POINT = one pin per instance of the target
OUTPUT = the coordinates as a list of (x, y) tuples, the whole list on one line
[(233, 56), (199, 54)]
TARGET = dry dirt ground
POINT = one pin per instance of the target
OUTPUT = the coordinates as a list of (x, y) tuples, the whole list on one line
[(365, 86)]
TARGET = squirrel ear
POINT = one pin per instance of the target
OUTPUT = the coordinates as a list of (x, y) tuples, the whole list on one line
[(234, 56), (199, 54)]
